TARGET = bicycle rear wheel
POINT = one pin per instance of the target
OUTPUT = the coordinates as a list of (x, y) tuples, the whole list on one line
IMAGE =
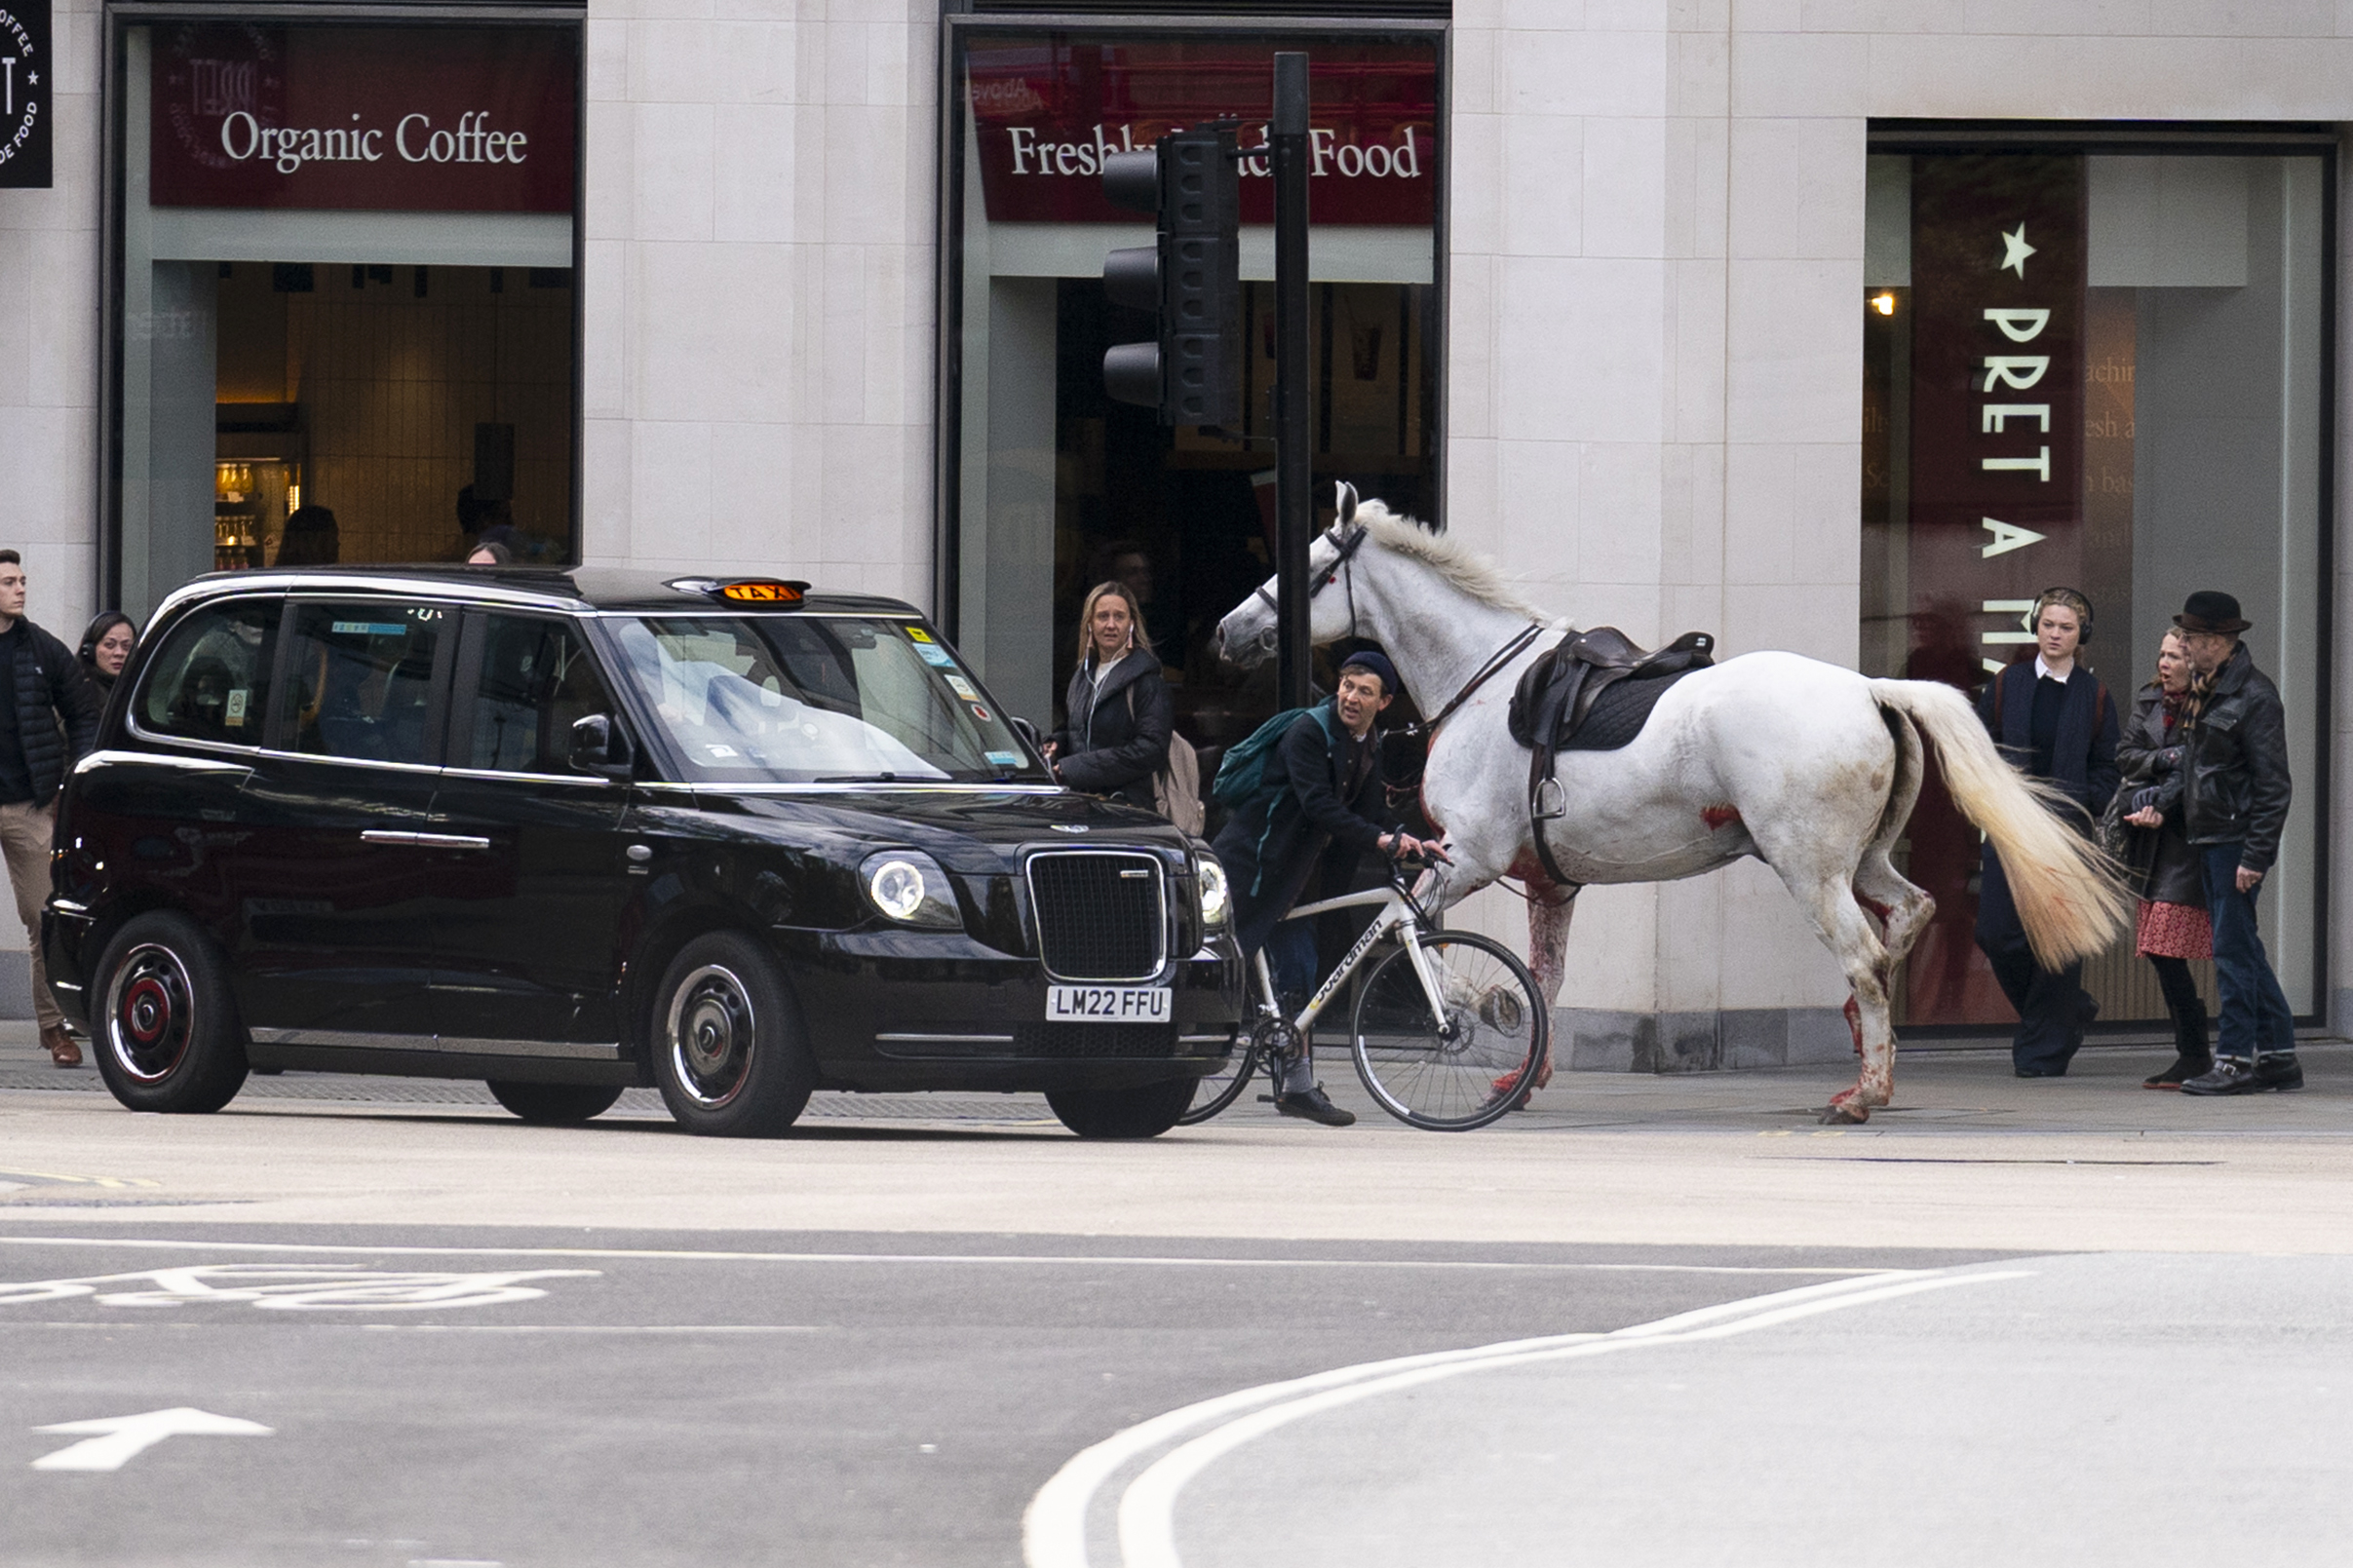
[(1457, 1067), (1223, 1087)]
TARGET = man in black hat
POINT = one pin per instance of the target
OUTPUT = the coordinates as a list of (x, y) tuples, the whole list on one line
[(2235, 767), (1327, 774)]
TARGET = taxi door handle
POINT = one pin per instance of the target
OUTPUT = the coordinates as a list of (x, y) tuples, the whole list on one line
[(434, 841)]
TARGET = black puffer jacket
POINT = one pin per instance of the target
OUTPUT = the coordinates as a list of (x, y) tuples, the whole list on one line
[(2237, 761), (49, 687), (2168, 869), (1118, 736)]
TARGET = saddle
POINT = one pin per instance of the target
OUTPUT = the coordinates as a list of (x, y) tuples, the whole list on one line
[(1558, 695)]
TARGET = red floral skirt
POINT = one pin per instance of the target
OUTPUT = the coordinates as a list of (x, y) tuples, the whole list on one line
[(2175, 931)]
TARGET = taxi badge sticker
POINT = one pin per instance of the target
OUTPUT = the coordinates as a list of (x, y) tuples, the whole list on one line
[(981, 713), (235, 712), (962, 688), (916, 633), (935, 656), (1003, 760)]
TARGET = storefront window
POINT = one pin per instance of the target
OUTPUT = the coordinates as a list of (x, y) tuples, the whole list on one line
[(1051, 488), (346, 329), (2103, 371)]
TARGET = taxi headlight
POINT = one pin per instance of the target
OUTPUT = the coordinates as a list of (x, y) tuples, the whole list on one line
[(909, 887), (1211, 879)]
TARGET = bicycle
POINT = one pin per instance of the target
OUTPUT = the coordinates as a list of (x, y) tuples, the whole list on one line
[(1449, 1032)]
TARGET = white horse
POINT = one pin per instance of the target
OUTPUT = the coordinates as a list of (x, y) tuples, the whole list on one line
[(1810, 767)]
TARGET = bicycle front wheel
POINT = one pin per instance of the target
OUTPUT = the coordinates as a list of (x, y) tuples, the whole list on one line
[(1223, 1087), (1464, 1062)]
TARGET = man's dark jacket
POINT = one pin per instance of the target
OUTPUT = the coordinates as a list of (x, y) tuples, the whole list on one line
[(2237, 762), (51, 686), (2083, 754), (1119, 734), (1323, 814), (2165, 866)]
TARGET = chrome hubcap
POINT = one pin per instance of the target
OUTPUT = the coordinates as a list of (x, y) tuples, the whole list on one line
[(710, 1033), (150, 1014)]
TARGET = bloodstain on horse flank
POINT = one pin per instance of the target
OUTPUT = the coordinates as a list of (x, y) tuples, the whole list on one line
[(1716, 817)]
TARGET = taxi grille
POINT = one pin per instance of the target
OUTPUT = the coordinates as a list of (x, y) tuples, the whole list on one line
[(1098, 920)]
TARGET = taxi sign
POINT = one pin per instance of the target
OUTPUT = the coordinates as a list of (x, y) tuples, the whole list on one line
[(763, 591)]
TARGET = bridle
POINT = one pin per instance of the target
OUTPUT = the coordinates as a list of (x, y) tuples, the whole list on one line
[(1341, 571)]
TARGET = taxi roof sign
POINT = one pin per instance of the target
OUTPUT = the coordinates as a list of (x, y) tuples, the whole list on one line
[(762, 591)]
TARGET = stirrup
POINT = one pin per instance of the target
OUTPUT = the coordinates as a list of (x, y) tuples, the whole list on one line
[(1539, 811)]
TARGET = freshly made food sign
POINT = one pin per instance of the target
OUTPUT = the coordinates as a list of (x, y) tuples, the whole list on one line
[(1048, 112), (477, 120)]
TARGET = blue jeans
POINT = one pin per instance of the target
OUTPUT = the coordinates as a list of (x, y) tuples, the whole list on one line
[(2253, 1017), (1291, 948)]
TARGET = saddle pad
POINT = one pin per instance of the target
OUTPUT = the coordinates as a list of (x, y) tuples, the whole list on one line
[(1619, 713)]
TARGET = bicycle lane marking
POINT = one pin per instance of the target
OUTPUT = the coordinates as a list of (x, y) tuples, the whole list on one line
[(1054, 1528)]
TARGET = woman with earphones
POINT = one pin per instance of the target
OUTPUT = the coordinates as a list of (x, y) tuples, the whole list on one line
[(1119, 711), (2054, 721)]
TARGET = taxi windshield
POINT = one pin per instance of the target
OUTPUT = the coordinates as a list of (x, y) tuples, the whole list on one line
[(810, 698)]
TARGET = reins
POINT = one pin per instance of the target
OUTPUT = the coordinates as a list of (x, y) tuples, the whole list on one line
[(1485, 672)]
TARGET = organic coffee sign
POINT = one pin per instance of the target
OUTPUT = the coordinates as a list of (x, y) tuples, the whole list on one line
[(24, 101), (1047, 111), (411, 119)]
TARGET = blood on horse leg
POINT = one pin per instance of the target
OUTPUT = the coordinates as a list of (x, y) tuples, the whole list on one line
[(1854, 1022)]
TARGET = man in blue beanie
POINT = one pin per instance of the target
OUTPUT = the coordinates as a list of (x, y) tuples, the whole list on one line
[(1321, 814)]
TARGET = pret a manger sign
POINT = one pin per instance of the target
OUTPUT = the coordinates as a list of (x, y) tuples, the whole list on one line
[(476, 120)]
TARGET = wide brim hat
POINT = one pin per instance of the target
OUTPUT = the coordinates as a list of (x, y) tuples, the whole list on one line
[(2210, 611)]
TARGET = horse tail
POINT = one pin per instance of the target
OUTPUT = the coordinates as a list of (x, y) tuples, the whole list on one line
[(2071, 894)]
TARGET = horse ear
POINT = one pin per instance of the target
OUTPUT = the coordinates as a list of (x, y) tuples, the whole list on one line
[(1344, 504)]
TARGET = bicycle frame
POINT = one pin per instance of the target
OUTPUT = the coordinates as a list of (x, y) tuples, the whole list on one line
[(1397, 912)]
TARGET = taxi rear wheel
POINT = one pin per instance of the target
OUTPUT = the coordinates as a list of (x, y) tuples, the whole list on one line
[(164, 1028), (1145, 1111), (729, 1052), (555, 1104)]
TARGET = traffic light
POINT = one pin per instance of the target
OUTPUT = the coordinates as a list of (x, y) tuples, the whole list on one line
[(1191, 278)]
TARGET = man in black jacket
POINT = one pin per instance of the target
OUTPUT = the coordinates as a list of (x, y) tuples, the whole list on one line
[(49, 717), (2235, 804), (1328, 763)]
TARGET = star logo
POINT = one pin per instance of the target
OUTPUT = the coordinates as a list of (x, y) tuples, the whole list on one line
[(2015, 251)]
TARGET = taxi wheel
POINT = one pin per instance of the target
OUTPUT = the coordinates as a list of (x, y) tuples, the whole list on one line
[(555, 1104), (1145, 1111), (728, 1048), (165, 1029)]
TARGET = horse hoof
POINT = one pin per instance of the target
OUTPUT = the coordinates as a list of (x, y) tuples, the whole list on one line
[(1844, 1112)]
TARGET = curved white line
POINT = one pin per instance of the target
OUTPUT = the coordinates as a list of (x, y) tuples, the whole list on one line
[(1054, 1527)]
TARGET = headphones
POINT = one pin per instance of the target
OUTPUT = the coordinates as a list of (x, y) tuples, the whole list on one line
[(2069, 598)]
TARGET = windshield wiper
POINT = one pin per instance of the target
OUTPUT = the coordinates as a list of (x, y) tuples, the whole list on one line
[(856, 778)]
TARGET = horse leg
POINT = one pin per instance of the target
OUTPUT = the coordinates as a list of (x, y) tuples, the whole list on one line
[(1845, 931), (1549, 911)]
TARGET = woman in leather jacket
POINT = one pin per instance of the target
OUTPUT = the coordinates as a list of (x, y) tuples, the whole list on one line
[(2173, 927), (1120, 714)]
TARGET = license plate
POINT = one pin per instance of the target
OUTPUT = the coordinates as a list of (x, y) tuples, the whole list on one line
[(1107, 1003)]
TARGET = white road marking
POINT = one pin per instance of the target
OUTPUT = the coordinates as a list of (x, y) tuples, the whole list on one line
[(121, 1439), (1053, 1529), (661, 1254), (294, 1287)]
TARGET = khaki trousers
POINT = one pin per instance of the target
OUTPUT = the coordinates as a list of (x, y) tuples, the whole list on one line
[(25, 835)]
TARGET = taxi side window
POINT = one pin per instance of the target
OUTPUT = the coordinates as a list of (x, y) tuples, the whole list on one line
[(212, 680), (537, 680), (360, 682)]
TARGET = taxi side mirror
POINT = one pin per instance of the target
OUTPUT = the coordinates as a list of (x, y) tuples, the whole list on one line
[(1026, 730), (600, 746)]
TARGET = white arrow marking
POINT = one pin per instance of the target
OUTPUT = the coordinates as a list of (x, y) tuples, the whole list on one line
[(124, 1438)]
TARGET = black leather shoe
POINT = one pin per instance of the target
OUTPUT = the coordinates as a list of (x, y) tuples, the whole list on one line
[(2280, 1070), (2059, 1071), (2184, 1068), (2236, 1075), (1315, 1106)]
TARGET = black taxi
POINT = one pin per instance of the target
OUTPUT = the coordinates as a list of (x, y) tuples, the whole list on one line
[(571, 831)]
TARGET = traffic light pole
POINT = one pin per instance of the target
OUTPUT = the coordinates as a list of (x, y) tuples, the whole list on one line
[(1294, 478)]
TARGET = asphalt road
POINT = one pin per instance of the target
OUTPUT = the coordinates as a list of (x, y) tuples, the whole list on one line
[(655, 1399), (1650, 1322)]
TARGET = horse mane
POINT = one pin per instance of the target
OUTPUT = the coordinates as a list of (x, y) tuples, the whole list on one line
[(1457, 562)]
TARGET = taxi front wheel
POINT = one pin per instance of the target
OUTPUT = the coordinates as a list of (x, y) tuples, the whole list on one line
[(164, 1028), (729, 1051), (1143, 1112)]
